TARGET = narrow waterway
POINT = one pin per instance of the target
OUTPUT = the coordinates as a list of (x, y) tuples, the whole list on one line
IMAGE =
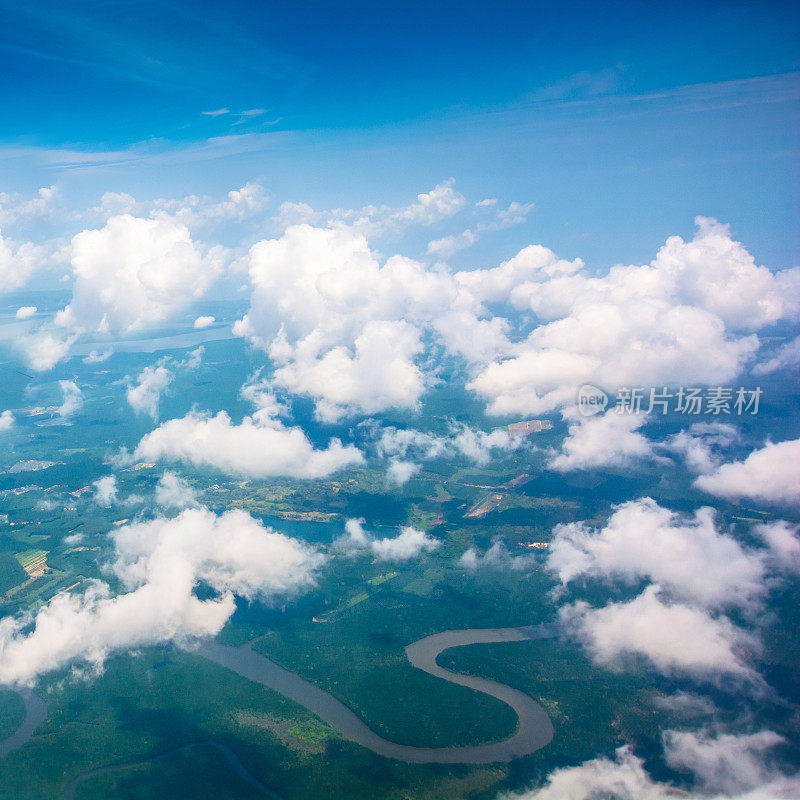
[(534, 728)]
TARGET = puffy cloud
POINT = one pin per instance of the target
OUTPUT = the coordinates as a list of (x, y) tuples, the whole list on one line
[(624, 777), (106, 491), (448, 245), (727, 763), (477, 446), (675, 638), (700, 444), (72, 399), (379, 374), (340, 326), (26, 312), (783, 541), (259, 447), (159, 563), (770, 474), (134, 273), (42, 351), (441, 202), (400, 472), (408, 544), (145, 395), (204, 322), (14, 207), (604, 440), (172, 491), (6, 421), (17, 263), (787, 357), (497, 556), (685, 554), (98, 356), (683, 319)]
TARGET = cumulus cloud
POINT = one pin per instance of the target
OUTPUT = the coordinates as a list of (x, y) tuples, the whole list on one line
[(145, 395), (700, 446), (6, 421), (259, 446), (783, 540), (135, 273), (687, 555), (172, 491), (497, 556), (378, 373), (408, 544), (26, 312), (673, 637), (686, 318), (160, 564), (787, 357), (42, 351), (400, 472), (105, 493), (204, 322), (478, 446), (604, 440), (440, 203), (738, 765), (727, 763), (17, 263), (344, 328), (98, 356), (72, 399), (770, 474)]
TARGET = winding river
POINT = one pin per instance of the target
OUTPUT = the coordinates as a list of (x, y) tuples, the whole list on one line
[(534, 728)]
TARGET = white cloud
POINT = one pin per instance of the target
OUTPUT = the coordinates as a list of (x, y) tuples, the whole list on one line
[(787, 357), (683, 319), (408, 544), (98, 356), (258, 447), (106, 491), (448, 245), (497, 556), (604, 440), (700, 445), (624, 777), (727, 763), (771, 474), (675, 638), (14, 207), (478, 446), (159, 563), (26, 312), (783, 541), (42, 351), (6, 421), (72, 399), (340, 326), (17, 263), (204, 322), (172, 491), (378, 374), (400, 472), (135, 273), (685, 554), (145, 395)]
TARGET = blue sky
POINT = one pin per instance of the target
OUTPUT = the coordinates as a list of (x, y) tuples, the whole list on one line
[(619, 123)]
